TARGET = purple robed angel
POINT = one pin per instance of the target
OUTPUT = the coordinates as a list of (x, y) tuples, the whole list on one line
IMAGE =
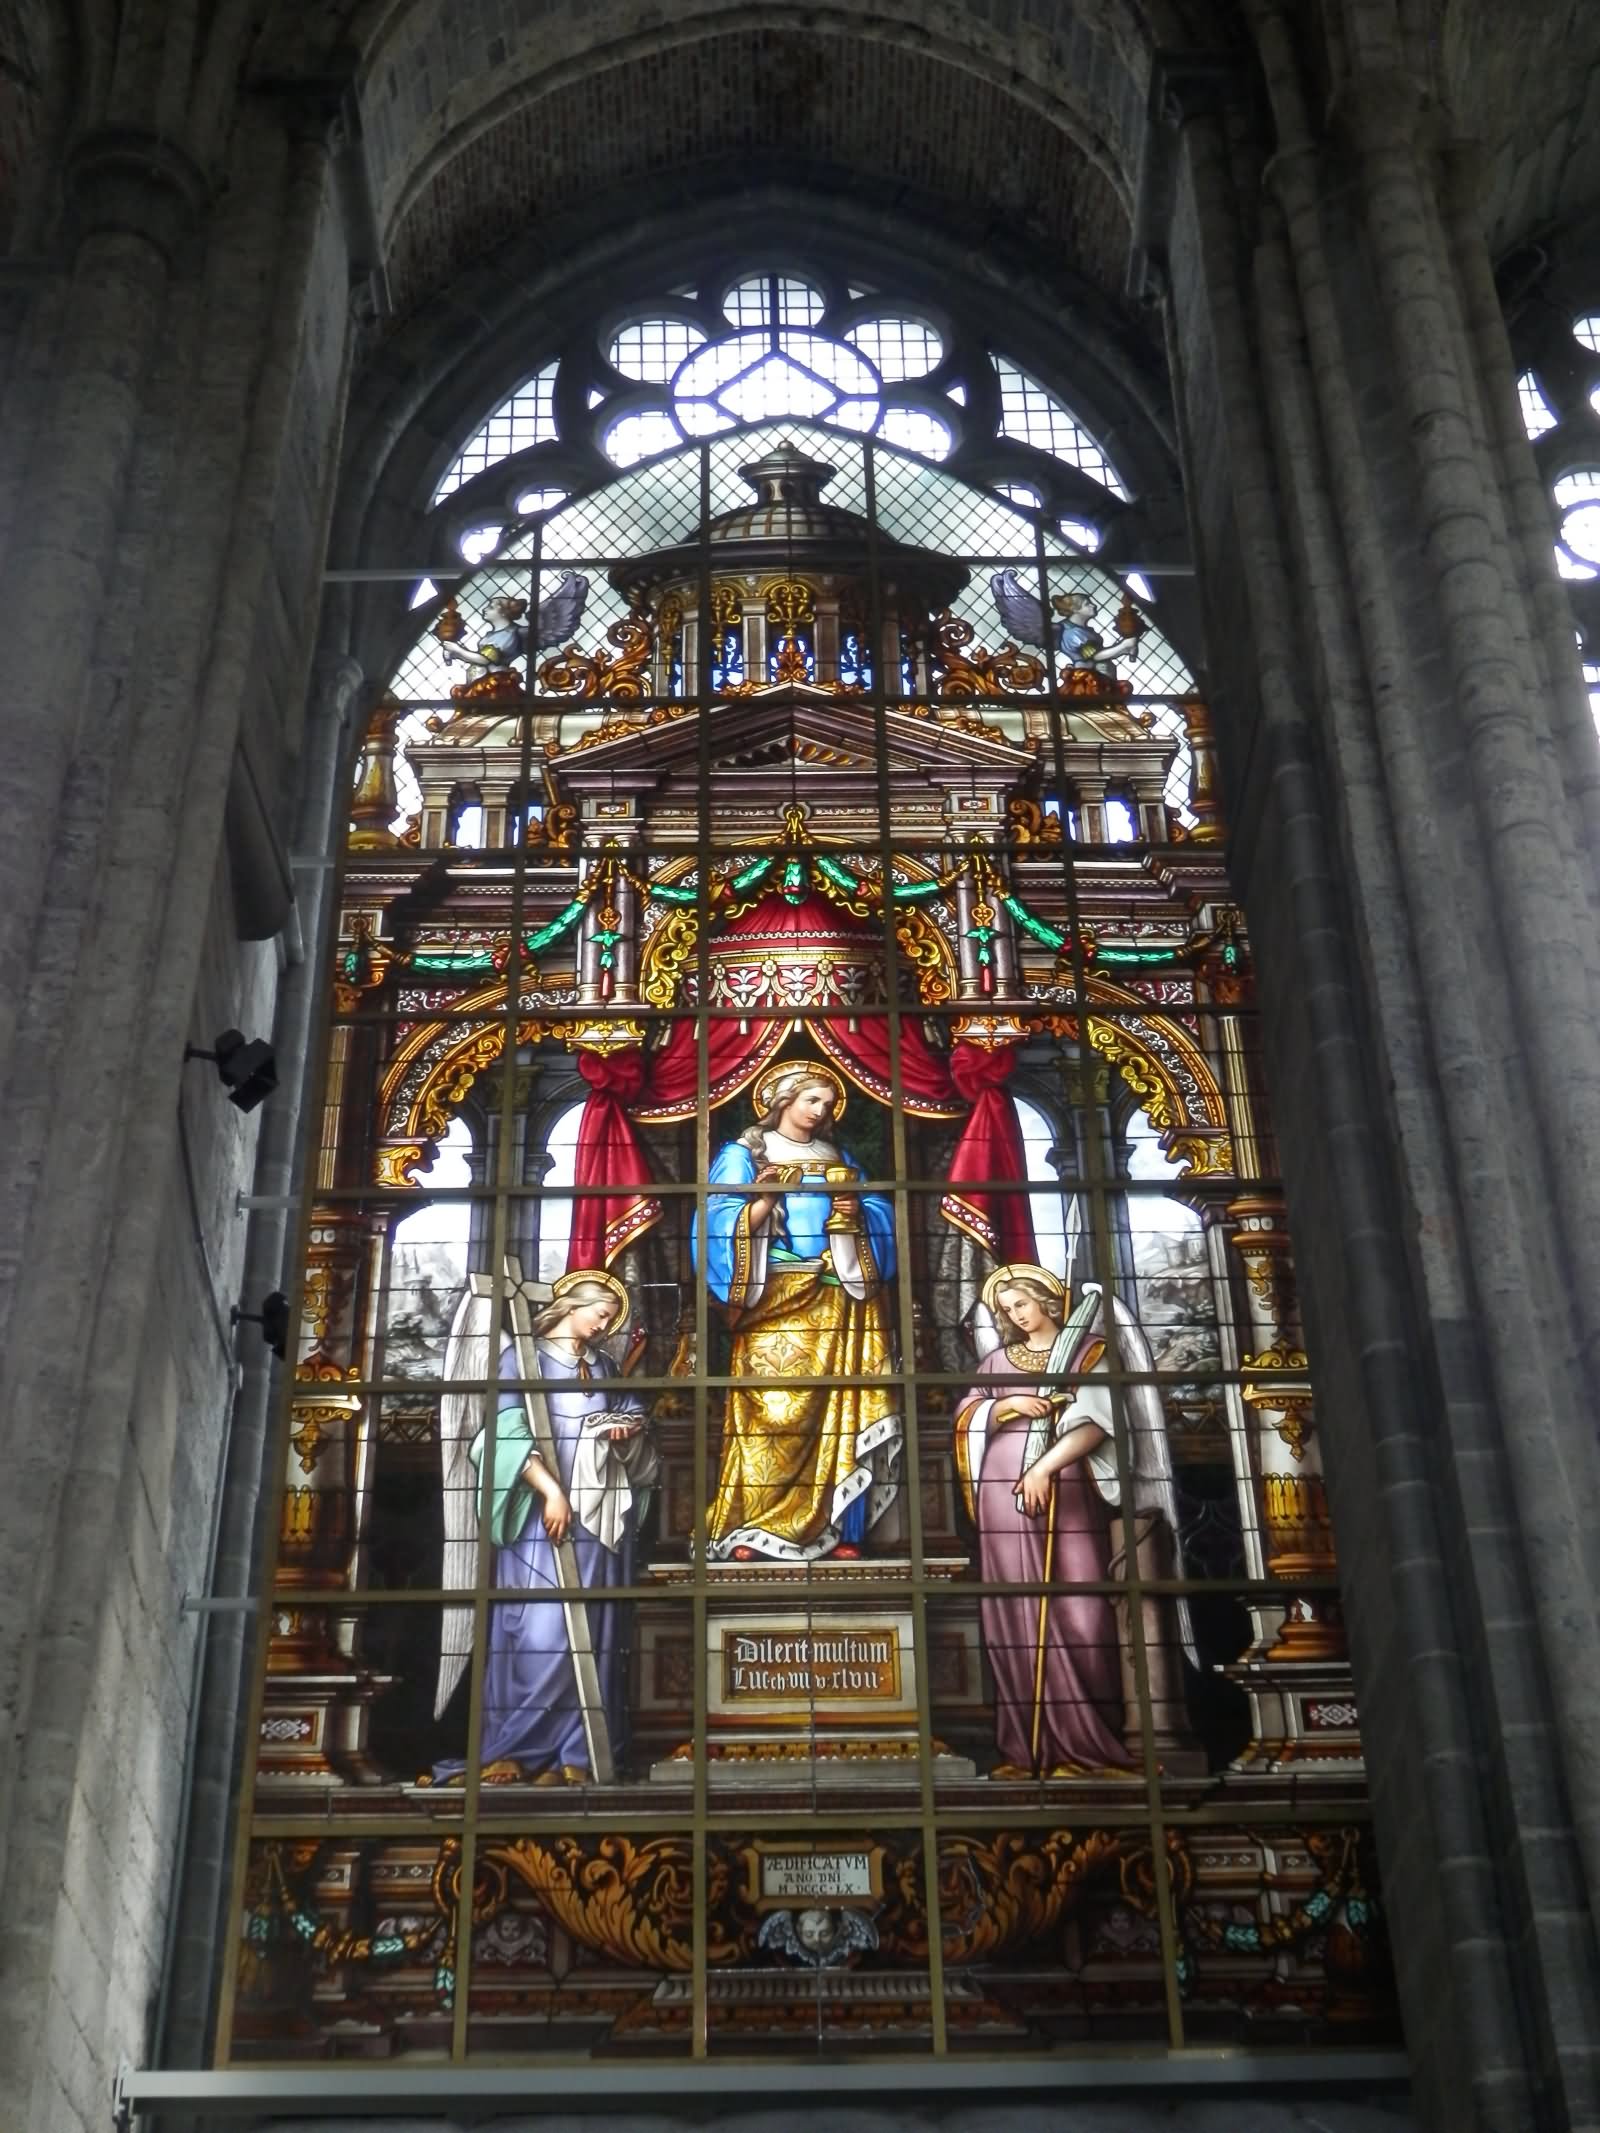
[(1042, 1484)]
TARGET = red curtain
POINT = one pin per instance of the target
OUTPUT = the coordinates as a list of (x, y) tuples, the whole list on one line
[(990, 1150), (863, 1054), (634, 1086), (735, 1054), (609, 1154)]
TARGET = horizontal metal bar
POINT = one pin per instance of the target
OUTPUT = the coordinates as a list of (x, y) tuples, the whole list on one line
[(797, 1380), (456, 573), (1137, 1189), (416, 2088), (791, 1814), (797, 1593)]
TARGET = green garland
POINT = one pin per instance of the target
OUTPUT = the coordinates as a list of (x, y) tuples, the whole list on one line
[(1136, 955), (746, 878), (1036, 926), (563, 922), (467, 960), (902, 892)]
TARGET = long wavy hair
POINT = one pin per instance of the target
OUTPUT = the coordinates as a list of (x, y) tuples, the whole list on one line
[(1050, 1302), (793, 1084)]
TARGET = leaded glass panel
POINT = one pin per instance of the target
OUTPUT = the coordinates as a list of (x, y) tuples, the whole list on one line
[(801, 1522)]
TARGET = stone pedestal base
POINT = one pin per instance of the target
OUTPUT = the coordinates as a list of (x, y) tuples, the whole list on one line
[(314, 1730), (1302, 1718)]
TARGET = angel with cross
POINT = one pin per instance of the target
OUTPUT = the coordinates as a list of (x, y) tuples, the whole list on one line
[(569, 1473)]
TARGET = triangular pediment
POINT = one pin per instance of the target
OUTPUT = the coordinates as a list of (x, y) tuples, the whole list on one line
[(790, 726)]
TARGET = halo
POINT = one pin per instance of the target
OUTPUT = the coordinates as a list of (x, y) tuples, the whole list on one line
[(606, 1280), (1005, 1277), (811, 1070)]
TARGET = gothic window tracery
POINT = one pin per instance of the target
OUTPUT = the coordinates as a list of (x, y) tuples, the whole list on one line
[(526, 418), (1559, 394), (770, 346)]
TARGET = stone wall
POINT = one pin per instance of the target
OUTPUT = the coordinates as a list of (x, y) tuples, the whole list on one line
[(178, 390)]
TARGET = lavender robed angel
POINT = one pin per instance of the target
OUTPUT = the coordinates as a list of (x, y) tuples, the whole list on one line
[(593, 1496)]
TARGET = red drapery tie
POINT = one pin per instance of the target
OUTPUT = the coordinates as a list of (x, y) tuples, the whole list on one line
[(609, 1154), (989, 1152)]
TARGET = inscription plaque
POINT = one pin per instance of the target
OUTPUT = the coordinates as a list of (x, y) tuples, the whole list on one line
[(848, 1875), (832, 1666)]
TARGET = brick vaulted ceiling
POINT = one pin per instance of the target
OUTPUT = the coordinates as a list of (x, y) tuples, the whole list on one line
[(484, 117), (751, 103), (1523, 83)]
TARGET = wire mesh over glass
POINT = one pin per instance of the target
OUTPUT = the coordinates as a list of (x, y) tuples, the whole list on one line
[(802, 1523)]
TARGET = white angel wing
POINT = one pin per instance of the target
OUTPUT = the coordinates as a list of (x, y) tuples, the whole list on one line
[(986, 1334), (1150, 1454), (466, 1357)]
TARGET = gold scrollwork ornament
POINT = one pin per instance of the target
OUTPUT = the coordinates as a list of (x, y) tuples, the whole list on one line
[(573, 673), (964, 678)]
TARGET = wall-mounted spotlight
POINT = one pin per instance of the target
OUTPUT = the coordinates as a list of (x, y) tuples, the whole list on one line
[(272, 1318), (245, 1067)]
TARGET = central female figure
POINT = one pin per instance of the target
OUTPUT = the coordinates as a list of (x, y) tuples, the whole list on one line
[(803, 1263)]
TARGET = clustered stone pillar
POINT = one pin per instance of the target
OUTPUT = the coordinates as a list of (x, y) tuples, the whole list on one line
[(178, 408), (1412, 840)]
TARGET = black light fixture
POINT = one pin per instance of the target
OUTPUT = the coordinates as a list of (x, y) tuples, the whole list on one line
[(272, 1318), (245, 1066)]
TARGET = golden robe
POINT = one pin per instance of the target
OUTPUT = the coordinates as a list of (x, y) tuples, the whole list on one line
[(799, 1461)]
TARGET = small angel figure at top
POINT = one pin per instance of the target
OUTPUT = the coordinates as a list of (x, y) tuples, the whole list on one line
[(508, 638), (1023, 614)]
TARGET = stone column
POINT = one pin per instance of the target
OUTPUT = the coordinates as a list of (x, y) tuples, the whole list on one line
[(212, 375), (1407, 855), (135, 202), (282, 1159)]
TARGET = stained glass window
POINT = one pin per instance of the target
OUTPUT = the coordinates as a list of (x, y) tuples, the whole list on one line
[(1577, 498), (916, 430), (636, 437), (653, 348), (1558, 396), (1037, 417), (772, 301), (801, 1522), (480, 541), (527, 418), (767, 347), (898, 347), (1537, 414)]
